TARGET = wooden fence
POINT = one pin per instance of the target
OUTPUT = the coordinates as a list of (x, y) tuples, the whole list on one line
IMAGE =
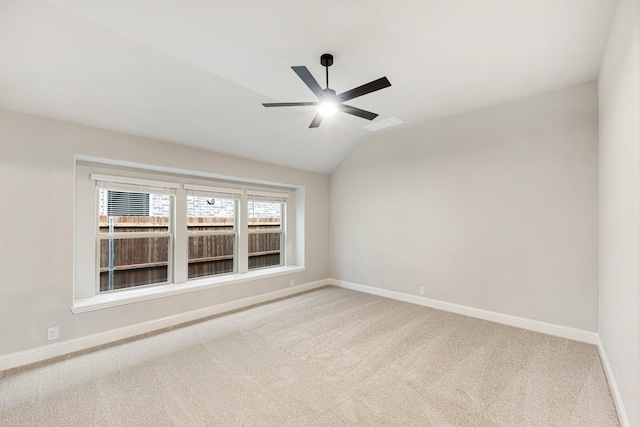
[(141, 261)]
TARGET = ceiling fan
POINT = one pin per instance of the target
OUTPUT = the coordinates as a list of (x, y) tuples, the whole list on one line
[(328, 101)]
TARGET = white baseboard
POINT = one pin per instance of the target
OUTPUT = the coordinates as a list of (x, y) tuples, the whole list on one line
[(506, 319), (613, 385), (38, 354)]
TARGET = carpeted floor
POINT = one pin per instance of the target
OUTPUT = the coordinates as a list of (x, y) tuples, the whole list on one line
[(328, 357)]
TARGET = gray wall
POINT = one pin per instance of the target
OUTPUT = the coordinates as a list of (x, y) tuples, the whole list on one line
[(37, 160), (495, 209), (619, 97)]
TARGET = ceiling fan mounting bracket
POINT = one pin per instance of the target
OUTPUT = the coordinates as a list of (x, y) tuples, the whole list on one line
[(326, 60)]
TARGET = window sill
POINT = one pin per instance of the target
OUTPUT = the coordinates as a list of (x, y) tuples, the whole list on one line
[(131, 296)]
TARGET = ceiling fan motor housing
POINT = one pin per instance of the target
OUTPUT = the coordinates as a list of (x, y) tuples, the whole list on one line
[(329, 92)]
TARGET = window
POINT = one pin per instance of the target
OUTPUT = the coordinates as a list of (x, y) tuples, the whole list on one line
[(155, 232), (266, 235), (212, 227), (134, 237)]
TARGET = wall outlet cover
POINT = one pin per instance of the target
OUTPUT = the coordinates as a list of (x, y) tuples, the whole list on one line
[(52, 333)]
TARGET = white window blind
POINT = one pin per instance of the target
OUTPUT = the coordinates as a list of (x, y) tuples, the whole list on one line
[(127, 203), (264, 196), (208, 191), (134, 185)]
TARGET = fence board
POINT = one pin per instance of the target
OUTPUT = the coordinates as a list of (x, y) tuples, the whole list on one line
[(144, 261)]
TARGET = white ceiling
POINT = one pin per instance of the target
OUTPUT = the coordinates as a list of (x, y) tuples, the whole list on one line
[(195, 72)]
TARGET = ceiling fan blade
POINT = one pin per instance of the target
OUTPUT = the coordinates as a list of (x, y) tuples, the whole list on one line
[(357, 112), (308, 79), (289, 104), (381, 83), (316, 121)]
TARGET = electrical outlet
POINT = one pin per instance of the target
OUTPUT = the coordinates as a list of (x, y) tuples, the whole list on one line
[(292, 282), (421, 290), (52, 333)]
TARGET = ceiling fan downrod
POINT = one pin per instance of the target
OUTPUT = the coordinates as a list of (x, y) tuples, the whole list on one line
[(326, 60)]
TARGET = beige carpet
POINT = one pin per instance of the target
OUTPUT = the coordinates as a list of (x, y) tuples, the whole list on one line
[(325, 358)]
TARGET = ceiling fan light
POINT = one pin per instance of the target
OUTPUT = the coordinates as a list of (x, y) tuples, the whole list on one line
[(328, 108)]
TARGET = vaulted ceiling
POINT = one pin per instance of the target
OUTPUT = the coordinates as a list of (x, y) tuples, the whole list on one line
[(196, 72)]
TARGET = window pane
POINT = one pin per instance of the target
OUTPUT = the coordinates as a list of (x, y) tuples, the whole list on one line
[(125, 212), (126, 263), (210, 213), (264, 250), (264, 215), (211, 255)]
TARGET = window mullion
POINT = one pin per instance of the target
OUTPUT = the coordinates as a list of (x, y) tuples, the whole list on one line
[(180, 249), (243, 236), (134, 235), (266, 231), (212, 233)]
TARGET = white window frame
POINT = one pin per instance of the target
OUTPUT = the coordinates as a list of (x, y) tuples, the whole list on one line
[(130, 185), (223, 193), (86, 264), (269, 197)]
